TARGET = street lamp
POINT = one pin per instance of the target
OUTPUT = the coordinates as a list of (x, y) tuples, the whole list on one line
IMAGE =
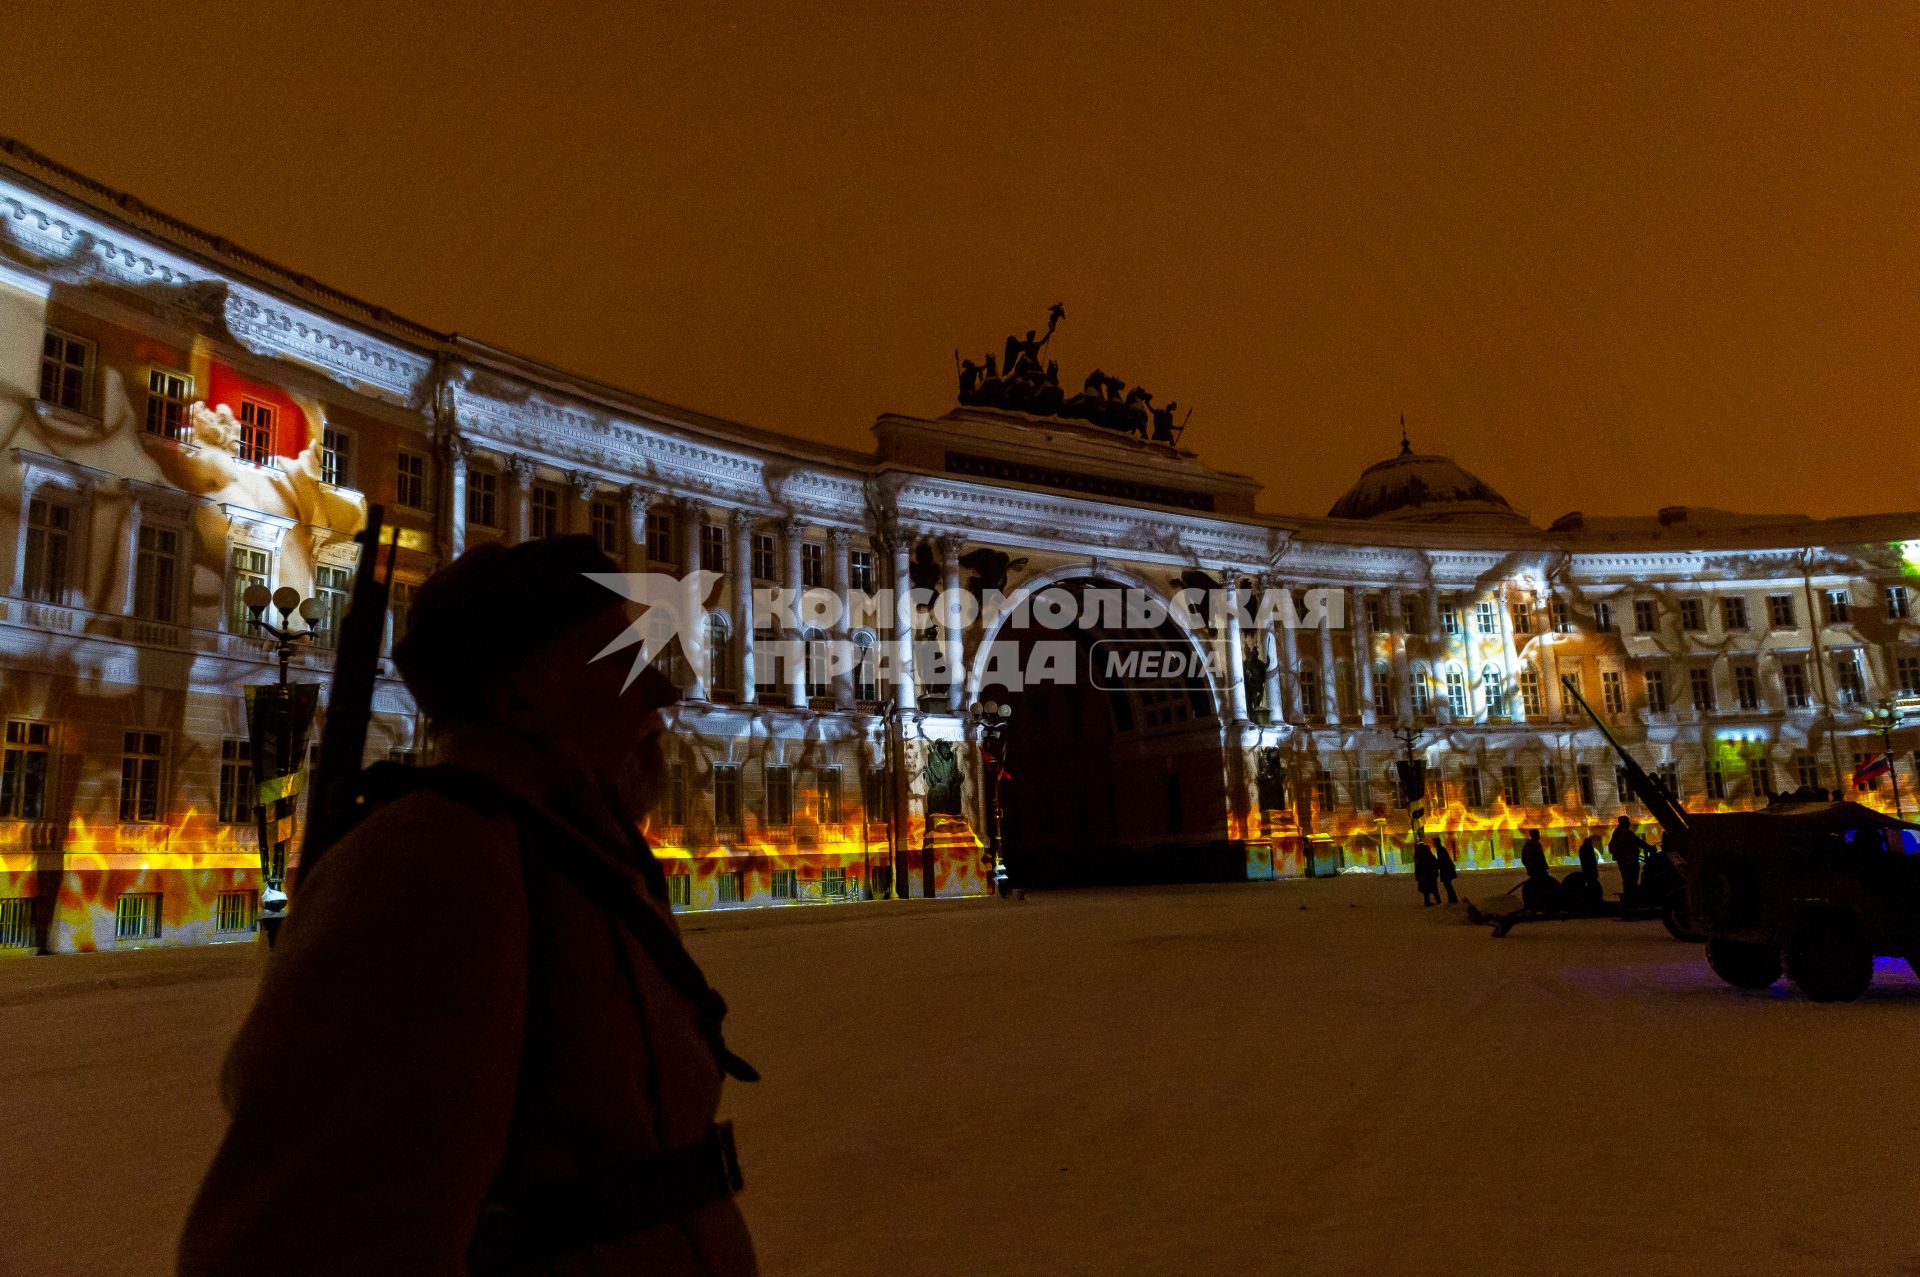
[(991, 718), (1885, 718), (280, 715)]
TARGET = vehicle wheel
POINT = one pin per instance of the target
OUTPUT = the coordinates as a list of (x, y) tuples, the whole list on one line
[(1828, 957), (1744, 966), (1678, 924)]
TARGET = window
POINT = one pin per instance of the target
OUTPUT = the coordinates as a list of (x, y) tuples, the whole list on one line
[(779, 796), (1523, 617), (813, 565), (1323, 795), (1899, 606), (49, 550), (249, 568), (1656, 691), (1470, 786), (1716, 781), (827, 797), (1549, 785), (156, 574), (660, 536), (1906, 675), (168, 394), (1373, 614), (818, 656), (142, 755), (1806, 770), (833, 884), (1562, 619), (1848, 689), (1420, 695), (719, 652), (1759, 777), (1646, 617), (330, 589), (875, 794), (236, 912), (1456, 692), (1571, 682), (676, 804), (713, 547), (1362, 789), (1838, 606), (1733, 613), (136, 916), (1530, 702), (23, 770), (603, 520), (483, 498), (1583, 777), (727, 888), (1746, 686), (1449, 619), (1495, 687), (1382, 691), (764, 567), (1668, 774), (1861, 757), (862, 570), (1780, 612), (1693, 617), (16, 923), (1309, 692), (1603, 618), (786, 884), (256, 432), (336, 457), (1613, 691), (1793, 681), (1700, 685), (1510, 786), (400, 608), (236, 782), (680, 890), (1415, 615), (1486, 617), (410, 480), (726, 795), (543, 511), (866, 675), (66, 371)]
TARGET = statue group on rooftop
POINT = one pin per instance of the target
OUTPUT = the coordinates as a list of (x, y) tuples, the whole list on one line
[(1020, 382)]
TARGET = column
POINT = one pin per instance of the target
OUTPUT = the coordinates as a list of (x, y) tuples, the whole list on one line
[(1270, 653), (1510, 653), (1441, 651), (1363, 655), (1236, 659), (1329, 678), (841, 542), (905, 695), (579, 517), (639, 500), (457, 450), (1402, 666), (743, 619), (950, 547), (693, 517), (794, 530), (129, 581), (520, 518), (1295, 708)]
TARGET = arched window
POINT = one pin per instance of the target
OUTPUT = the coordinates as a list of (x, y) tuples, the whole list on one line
[(866, 674), (1530, 703), (719, 651), (1382, 688), (818, 684), (1420, 692), (1457, 693), (1494, 684)]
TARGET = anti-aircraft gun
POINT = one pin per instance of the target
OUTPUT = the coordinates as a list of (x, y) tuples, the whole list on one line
[(1807, 885)]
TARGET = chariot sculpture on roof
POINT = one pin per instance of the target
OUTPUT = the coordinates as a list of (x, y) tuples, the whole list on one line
[(1021, 382)]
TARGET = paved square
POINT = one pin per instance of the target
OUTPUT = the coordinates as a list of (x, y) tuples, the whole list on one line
[(1305, 1077)]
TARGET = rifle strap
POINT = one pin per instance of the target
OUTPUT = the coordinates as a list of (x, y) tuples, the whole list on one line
[(609, 884)]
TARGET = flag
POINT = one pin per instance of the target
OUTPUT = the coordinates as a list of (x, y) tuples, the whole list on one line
[(1867, 774)]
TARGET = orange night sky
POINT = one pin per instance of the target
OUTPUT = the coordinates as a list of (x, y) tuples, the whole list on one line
[(1612, 257)]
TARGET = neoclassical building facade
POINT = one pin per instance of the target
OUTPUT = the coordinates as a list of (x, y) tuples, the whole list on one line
[(180, 419)]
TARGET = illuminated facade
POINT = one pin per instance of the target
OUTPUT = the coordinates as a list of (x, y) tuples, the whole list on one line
[(179, 419)]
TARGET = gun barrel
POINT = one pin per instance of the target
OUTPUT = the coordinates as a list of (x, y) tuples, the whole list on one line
[(1660, 804)]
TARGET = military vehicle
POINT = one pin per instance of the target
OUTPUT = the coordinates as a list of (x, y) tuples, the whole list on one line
[(1809, 886)]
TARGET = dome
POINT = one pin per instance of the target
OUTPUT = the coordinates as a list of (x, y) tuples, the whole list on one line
[(1417, 487)]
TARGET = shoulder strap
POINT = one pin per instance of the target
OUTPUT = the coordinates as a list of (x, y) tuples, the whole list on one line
[(603, 881)]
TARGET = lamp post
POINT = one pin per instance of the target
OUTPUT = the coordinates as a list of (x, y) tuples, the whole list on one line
[(991, 718), (1885, 718), (279, 714)]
